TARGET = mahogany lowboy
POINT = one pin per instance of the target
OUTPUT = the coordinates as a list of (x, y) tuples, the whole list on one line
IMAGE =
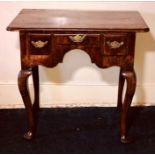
[(108, 38)]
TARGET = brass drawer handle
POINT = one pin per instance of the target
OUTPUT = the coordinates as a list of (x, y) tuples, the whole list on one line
[(39, 43), (115, 44), (77, 38)]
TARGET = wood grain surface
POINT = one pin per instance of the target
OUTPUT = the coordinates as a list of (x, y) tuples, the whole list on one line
[(40, 19)]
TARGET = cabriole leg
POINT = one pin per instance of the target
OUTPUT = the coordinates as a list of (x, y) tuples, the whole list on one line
[(35, 76), (23, 88), (130, 78), (120, 90)]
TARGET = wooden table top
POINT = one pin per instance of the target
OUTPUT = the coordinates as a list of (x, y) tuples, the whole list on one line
[(44, 19)]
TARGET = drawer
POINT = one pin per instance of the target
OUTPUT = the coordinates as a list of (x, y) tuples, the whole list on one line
[(80, 39), (115, 44), (39, 44)]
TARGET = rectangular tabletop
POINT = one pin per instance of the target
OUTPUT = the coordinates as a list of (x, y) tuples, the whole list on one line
[(39, 19)]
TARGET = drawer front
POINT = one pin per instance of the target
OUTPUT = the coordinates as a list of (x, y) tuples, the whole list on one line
[(115, 44), (39, 44), (77, 39)]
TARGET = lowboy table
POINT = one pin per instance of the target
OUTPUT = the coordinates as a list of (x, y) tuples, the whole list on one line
[(107, 36)]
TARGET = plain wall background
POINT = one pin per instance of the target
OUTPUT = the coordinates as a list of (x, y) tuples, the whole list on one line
[(77, 82)]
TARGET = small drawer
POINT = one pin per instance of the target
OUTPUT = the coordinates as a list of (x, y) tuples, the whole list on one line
[(39, 44), (80, 39), (115, 44)]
